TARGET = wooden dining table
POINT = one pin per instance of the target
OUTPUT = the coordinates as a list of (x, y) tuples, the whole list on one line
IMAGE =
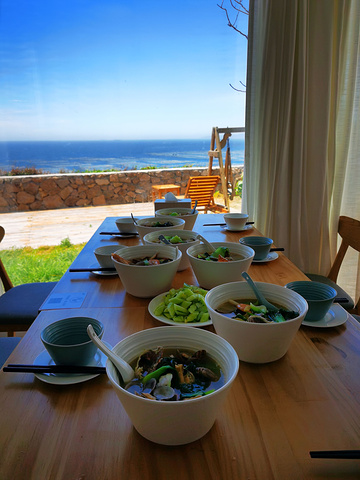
[(274, 415)]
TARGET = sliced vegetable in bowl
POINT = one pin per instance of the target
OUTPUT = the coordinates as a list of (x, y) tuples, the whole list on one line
[(183, 306)]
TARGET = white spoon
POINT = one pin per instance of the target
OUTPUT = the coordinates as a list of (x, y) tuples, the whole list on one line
[(208, 245), (125, 370)]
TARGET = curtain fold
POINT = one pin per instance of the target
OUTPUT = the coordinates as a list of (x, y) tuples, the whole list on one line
[(301, 123)]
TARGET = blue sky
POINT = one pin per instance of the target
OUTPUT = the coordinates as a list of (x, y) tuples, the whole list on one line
[(114, 69)]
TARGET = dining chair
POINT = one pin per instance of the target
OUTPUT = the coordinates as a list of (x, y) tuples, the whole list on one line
[(7, 345), (349, 231), (19, 306), (202, 189)]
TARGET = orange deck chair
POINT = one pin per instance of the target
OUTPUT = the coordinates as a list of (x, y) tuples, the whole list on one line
[(202, 189)]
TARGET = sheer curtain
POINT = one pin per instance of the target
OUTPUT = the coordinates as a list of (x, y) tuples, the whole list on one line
[(302, 129)]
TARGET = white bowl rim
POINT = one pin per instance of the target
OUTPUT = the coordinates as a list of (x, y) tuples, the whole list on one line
[(169, 249), (109, 365), (248, 251), (178, 221), (257, 325), (164, 232)]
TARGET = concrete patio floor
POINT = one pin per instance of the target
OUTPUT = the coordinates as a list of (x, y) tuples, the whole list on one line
[(50, 227)]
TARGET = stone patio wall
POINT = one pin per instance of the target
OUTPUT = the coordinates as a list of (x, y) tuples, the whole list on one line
[(53, 191)]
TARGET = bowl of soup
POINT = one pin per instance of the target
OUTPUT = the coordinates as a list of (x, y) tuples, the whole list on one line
[(154, 224), (184, 213), (182, 239), (258, 338), (175, 420), (147, 270), (211, 272)]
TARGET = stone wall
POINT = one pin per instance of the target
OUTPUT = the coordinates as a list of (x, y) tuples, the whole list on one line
[(46, 192)]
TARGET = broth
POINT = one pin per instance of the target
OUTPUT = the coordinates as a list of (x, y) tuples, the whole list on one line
[(174, 375), (249, 310)]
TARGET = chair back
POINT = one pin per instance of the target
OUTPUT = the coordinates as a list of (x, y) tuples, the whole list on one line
[(202, 189), (4, 277), (349, 231)]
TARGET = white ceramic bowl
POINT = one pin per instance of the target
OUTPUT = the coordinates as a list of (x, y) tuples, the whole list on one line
[(184, 213), (103, 255), (210, 274), (144, 225), (174, 423), (190, 236), (256, 342), (147, 281), (126, 225), (235, 221)]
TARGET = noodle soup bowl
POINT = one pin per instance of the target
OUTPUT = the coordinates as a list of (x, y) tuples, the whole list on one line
[(187, 235), (184, 213), (147, 225), (174, 422), (147, 280), (256, 342), (209, 274)]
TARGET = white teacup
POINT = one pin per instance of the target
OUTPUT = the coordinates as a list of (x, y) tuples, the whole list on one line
[(126, 225), (236, 221), (103, 255)]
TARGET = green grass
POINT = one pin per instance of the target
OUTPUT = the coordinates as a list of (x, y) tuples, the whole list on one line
[(44, 264)]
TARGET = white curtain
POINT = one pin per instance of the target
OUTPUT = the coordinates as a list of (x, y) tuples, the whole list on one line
[(302, 152)]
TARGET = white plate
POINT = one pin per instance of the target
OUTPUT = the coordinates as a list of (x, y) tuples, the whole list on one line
[(243, 229), (63, 378), (157, 300), (271, 256), (336, 316)]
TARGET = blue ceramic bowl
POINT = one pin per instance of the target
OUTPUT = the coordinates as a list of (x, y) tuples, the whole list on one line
[(68, 342), (261, 246), (319, 297)]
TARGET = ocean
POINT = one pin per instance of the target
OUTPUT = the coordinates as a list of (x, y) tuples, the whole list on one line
[(70, 156)]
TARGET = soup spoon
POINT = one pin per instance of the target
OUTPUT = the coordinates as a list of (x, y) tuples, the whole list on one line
[(271, 308), (164, 240), (206, 243), (193, 210), (125, 370)]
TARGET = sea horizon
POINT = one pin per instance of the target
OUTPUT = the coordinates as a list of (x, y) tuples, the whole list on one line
[(54, 156)]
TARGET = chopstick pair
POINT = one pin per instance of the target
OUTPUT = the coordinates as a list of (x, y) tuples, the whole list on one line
[(344, 454), (119, 233), (69, 369), (223, 224), (93, 269)]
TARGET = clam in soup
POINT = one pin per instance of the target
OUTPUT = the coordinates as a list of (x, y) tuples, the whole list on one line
[(174, 375)]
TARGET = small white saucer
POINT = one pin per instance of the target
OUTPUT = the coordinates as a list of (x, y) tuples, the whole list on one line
[(336, 316), (243, 229), (270, 257), (67, 379), (101, 273)]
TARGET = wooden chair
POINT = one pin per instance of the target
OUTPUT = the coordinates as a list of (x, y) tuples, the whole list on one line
[(202, 189), (19, 306), (349, 230), (7, 345)]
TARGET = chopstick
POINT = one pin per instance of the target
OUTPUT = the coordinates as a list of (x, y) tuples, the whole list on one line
[(277, 249), (94, 269), (222, 224), (74, 369), (119, 233), (344, 454)]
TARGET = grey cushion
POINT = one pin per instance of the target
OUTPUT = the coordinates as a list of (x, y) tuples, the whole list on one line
[(349, 304), (7, 345), (21, 304)]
